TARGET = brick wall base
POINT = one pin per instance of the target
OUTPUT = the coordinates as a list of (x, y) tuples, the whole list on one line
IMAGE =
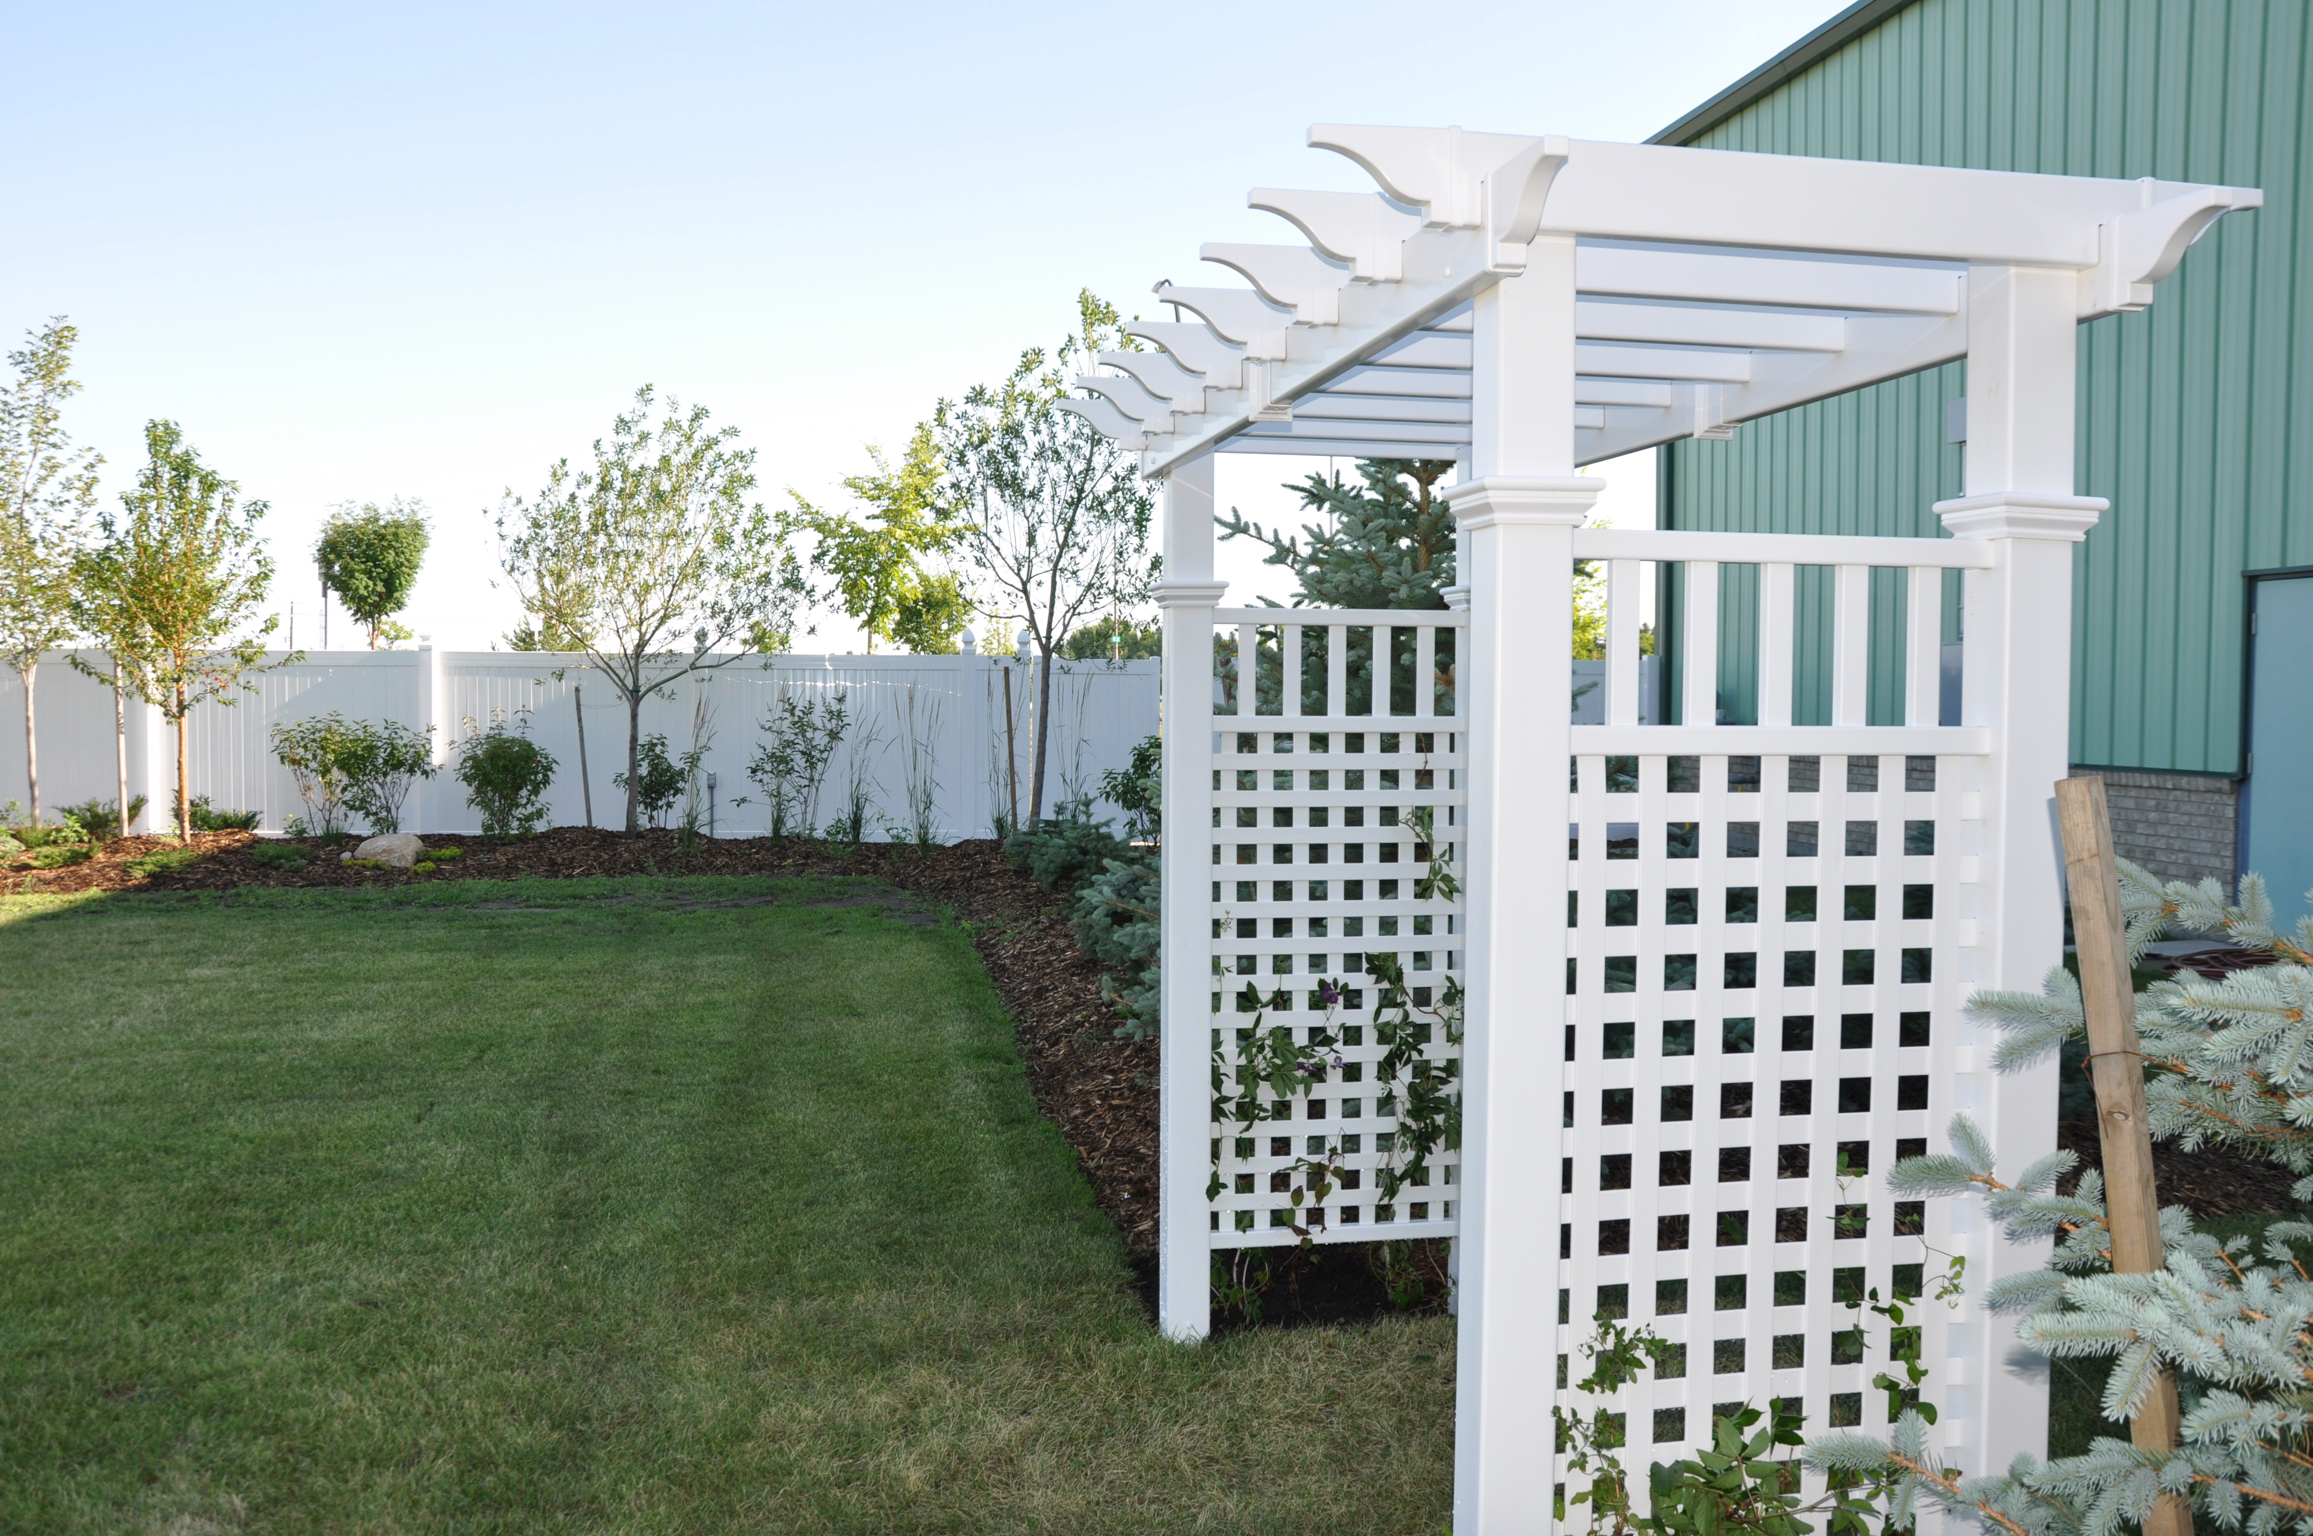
[(2179, 826)]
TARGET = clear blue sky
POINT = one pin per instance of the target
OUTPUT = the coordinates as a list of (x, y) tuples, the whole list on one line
[(425, 250)]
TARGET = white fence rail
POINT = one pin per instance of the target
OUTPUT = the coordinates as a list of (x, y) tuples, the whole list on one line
[(929, 728)]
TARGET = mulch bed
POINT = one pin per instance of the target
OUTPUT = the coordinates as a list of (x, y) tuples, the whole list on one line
[(2209, 1182), (1100, 1091)]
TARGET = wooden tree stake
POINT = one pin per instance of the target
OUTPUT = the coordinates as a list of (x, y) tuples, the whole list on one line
[(2116, 1066), (585, 785)]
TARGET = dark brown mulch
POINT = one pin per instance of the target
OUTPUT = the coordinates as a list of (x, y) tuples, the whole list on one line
[(1100, 1091), (2211, 964), (1324, 1286), (2209, 1182)]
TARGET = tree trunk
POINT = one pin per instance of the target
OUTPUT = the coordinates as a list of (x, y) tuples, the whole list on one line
[(120, 746), (31, 747), (633, 759), (1043, 733), (184, 789)]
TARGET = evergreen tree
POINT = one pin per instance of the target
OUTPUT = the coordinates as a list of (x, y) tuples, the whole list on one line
[(1386, 543), (2229, 1063)]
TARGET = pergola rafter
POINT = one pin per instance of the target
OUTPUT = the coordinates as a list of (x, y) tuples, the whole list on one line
[(1713, 288)]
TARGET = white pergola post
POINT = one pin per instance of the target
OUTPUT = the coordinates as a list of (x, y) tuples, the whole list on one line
[(1187, 595), (1517, 514), (2022, 324)]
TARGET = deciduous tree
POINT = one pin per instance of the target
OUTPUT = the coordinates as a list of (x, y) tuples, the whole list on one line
[(47, 493), (187, 563), (1053, 514), (653, 560), (882, 566), (369, 556)]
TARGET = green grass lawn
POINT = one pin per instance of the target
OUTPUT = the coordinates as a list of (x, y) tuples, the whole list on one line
[(385, 1211)]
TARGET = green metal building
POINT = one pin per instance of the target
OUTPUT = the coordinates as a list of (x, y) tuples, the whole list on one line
[(2196, 415)]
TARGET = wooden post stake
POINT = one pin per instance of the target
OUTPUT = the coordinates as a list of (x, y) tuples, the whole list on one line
[(1011, 750), (2116, 1066), (585, 785)]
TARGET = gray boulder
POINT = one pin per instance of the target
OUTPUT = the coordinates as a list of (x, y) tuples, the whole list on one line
[(400, 849)]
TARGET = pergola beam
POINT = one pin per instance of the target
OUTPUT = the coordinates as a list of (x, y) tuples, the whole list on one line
[(1714, 287)]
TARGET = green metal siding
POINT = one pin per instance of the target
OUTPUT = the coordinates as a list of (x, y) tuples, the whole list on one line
[(2190, 413)]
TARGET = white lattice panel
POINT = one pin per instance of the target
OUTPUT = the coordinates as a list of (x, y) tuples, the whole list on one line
[(1768, 956), (1317, 867)]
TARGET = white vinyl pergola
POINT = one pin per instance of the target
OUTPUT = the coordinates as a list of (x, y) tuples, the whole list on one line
[(1527, 306)]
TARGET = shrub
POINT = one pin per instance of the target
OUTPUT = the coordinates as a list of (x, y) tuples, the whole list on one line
[(506, 775), (206, 818), (315, 752), (59, 855), (101, 818), (380, 763), (167, 861), (67, 830), (284, 856), (1135, 789), (662, 779), (422, 867), (362, 766), (444, 855), (790, 767), (1116, 918), (1064, 850)]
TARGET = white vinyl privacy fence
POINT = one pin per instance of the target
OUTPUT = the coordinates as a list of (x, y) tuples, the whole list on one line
[(1638, 1012), (925, 732)]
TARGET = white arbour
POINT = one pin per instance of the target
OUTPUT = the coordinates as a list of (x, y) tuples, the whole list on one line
[(1714, 960), (923, 727)]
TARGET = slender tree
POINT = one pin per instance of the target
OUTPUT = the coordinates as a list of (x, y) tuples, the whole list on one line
[(185, 559), (47, 494), (654, 559), (369, 556), (101, 610), (1053, 514), (880, 566)]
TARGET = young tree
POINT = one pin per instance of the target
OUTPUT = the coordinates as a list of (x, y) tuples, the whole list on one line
[(878, 566), (369, 556), (186, 562), (653, 560), (47, 491), (1053, 513), (1389, 542), (2227, 1064), (101, 610)]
